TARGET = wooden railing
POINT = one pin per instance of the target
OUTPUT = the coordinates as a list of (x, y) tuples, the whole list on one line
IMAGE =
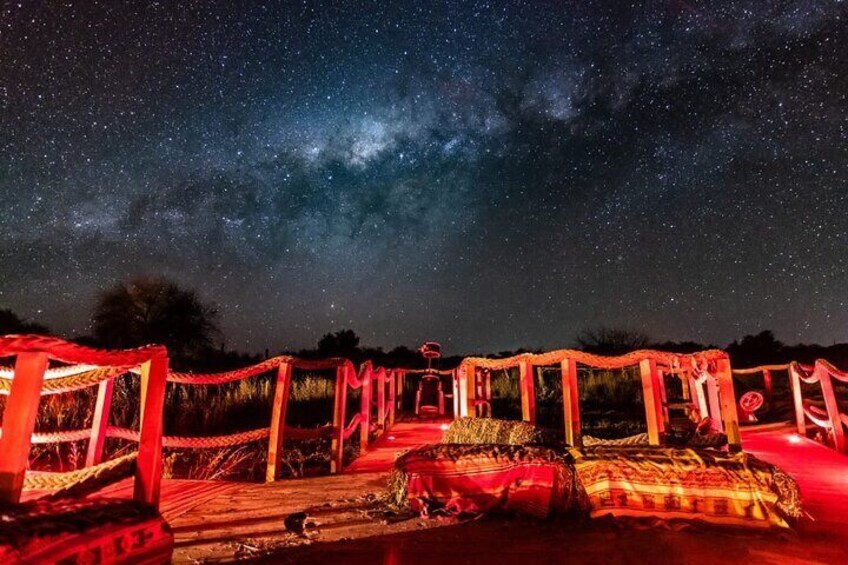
[(368, 377), (31, 378), (831, 420), (706, 374), (767, 372)]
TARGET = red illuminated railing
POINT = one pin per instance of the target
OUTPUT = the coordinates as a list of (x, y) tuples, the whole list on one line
[(767, 372), (31, 378), (366, 380), (707, 375), (831, 420)]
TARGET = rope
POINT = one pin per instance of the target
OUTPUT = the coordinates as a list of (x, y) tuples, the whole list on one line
[(257, 369), (226, 377), (71, 383), (598, 361), (213, 442), (351, 427), (104, 472), (817, 415), (805, 374), (840, 376), (760, 369), (51, 372), (68, 352), (60, 437)]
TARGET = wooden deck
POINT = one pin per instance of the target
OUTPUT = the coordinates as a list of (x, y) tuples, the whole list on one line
[(219, 522)]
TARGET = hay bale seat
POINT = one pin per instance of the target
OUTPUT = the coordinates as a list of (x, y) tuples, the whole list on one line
[(492, 431), (483, 467), (84, 531), (455, 479), (667, 485)]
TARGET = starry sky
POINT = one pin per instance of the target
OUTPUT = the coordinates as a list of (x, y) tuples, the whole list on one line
[(488, 174)]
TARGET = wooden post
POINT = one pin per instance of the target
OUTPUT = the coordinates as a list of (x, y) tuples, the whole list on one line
[(100, 423), (154, 376), (399, 388), (381, 398), (832, 407), (462, 392), (19, 423), (769, 389), (339, 405), (571, 403), (798, 400), (714, 402), (663, 399), (392, 398), (456, 387), (485, 409), (365, 409), (698, 395), (727, 404), (282, 389), (651, 398), (528, 392), (470, 390)]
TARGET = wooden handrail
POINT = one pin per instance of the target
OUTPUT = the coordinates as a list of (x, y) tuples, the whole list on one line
[(822, 373), (33, 354)]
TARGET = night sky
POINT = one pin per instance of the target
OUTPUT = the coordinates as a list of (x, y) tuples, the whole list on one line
[(487, 174)]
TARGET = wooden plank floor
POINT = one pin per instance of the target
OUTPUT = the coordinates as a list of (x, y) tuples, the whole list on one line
[(403, 435), (246, 520)]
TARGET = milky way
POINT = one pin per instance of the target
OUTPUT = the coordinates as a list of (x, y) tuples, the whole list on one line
[(488, 174)]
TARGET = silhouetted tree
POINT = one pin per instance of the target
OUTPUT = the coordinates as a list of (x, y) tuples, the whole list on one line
[(612, 341), (759, 349), (149, 310), (344, 343), (11, 323)]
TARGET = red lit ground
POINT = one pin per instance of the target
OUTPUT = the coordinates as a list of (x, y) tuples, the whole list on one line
[(245, 521)]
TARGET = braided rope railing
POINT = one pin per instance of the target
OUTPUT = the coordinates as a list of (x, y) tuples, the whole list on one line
[(597, 361), (354, 423), (32, 378), (257, 369), (817, 415), (760, 369), (841, 376), (42, 480), (219, 441), (51, 372), (805, 373), (831, 419), (68, 352), (72, 382)]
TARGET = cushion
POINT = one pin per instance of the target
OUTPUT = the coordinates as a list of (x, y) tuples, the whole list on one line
[(455, 479), (84, 531), (706, 485)]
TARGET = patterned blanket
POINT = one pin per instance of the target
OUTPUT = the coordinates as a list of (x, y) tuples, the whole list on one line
[(455, 479), (733, 489), (84, 531)]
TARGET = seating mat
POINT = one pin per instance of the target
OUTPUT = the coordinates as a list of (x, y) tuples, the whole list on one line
[(456, 479), (708, 485), (84, 531)]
